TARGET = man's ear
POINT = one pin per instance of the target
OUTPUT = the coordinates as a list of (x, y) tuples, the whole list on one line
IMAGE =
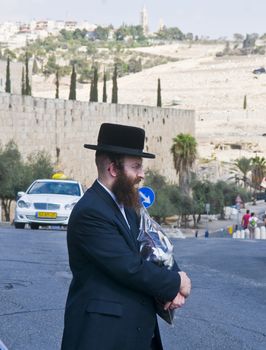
[(112, 169)]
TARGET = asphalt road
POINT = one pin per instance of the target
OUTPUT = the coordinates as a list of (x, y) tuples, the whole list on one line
[(226, 310)]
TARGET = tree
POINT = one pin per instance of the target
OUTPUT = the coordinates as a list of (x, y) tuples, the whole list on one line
[(167, 196), (8, 81), (243, 164), (115, 87), (101, 33), (51, 67), (134, 65), (238, 37), (11, 173), (250, 41), (184, 151), (104, 88), (23, 82), (35, 68), (258, 171), (39, 166), (72, 91), (15, 175), (245, 102), (201, 196), (121, 67), (91, 91), (57, 84), (172, 33), (218, 195), (95, 85), (27, 79), (159, 97)]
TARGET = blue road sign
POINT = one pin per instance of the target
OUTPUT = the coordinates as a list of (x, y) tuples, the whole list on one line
[(147, 196)]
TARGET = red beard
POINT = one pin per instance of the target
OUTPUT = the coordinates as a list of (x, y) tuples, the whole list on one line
[(125, 191)]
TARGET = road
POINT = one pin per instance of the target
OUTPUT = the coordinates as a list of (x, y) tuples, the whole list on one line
[(226, 309)]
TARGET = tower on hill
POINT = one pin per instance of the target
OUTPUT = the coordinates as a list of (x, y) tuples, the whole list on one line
[(144, 21)]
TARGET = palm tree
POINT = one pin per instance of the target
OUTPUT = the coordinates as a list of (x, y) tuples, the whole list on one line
[(184, 151), (258, 172), (243, 165)]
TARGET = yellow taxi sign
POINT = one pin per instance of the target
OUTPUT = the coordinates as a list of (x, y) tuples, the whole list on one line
[(59, 176)]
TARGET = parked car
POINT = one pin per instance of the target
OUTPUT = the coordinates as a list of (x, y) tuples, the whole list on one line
[(260, 70), (47, 202)]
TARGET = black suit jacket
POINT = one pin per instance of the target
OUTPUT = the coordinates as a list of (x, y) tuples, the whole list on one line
[(110, 304)]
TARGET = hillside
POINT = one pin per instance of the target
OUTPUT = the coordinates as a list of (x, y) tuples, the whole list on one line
[(213, 87)]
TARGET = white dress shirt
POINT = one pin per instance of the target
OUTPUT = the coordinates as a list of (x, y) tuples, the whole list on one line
[(120, 206)]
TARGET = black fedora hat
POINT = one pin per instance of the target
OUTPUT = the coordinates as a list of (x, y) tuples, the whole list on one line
[(122, 139)]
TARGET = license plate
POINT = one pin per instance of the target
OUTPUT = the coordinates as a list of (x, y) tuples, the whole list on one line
[(45, 214)]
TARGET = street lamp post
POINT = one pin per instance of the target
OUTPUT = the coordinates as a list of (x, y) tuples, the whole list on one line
[(207, 208)]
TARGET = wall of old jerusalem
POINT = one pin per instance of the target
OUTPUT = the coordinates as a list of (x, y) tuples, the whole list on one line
[(61, 127)]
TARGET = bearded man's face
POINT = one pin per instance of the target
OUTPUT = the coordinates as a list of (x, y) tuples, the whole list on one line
[(125, 187)]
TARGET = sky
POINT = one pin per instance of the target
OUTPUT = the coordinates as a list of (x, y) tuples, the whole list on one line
[(212, 18)]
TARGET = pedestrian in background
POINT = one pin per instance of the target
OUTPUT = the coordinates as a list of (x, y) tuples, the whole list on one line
[(252, 225), (245, 219)]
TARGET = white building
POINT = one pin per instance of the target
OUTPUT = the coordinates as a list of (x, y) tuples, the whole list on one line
[(144, 21)]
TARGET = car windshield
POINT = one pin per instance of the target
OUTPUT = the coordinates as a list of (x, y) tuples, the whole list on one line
[(58, 187)]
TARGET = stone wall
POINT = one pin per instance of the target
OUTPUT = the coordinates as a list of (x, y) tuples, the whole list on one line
[(61, 127)]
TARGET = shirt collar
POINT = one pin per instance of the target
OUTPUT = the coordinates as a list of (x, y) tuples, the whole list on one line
[(120, 206), (111, 194)]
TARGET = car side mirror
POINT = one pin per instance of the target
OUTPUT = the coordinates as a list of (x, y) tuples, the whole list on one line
[(20, 194)]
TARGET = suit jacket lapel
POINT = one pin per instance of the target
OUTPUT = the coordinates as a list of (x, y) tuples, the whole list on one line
[(134, 224)]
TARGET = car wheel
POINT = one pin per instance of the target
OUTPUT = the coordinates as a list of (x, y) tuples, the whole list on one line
[(34, 226), (19, 225)]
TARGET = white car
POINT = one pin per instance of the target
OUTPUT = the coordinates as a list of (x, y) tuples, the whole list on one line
[(47, 202)]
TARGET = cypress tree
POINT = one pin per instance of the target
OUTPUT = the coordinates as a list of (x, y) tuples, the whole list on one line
[(95, 85), (23, 82), (115, 88), (57, 84), (8, 81), (27, 79), (245, 102), (91, 91), (104, 88), (35, 68), (72, 91), (159, 97)]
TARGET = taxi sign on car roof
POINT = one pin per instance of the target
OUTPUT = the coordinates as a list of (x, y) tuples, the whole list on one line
[(59, 176)]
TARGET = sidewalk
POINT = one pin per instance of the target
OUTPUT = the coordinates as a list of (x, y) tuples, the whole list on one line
[(219, 228)]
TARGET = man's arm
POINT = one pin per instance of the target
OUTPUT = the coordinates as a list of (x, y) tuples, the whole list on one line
[(100, 240)]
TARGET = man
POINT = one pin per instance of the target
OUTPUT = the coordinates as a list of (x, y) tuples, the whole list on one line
[(252, 224), (110, 305), (245, 219)]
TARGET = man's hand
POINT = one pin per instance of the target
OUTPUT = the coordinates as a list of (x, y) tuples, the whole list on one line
[(178, 301), (184, 291), (185, 284)]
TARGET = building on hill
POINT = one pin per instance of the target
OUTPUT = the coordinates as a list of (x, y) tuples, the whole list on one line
[(144, 21)]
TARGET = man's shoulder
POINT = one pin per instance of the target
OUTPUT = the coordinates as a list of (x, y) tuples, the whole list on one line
[(94, 199)]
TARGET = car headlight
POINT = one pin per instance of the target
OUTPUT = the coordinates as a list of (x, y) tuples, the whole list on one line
[(23, 204), (70, 206)]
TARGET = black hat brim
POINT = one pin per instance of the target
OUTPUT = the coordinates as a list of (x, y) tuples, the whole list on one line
[(120, 150)]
